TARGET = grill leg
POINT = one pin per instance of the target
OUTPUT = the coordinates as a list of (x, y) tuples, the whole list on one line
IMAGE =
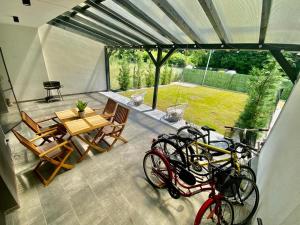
[(58, 91), (48, 94)]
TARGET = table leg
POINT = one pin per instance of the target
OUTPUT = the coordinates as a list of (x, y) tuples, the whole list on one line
[(91, 145), (74, 145)]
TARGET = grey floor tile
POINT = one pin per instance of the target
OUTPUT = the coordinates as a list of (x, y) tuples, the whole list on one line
[(69, 218), (105, 189), (86, 207)]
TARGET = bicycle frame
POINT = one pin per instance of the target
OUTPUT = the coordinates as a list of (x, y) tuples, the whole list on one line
[(232, 159), (174, 179), (208, 202)]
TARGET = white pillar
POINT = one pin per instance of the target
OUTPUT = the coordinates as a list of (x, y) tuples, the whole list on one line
[(278, 175)]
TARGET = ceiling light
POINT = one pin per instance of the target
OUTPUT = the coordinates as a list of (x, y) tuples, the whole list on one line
[(26, 2)]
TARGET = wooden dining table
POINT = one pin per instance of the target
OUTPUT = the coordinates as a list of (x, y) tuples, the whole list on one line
[(77, 126)]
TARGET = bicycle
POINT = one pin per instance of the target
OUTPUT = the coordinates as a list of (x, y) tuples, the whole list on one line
[(161, 175), (246, 151), (163, 171), (175, 145)]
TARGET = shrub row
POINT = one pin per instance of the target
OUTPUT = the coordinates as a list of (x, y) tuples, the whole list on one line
[(235, 82)]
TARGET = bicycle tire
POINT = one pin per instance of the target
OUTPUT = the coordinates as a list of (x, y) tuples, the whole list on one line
[(182, 129), (248, 172), (245, 206), (208, 205), (161, 179), (171, 149)]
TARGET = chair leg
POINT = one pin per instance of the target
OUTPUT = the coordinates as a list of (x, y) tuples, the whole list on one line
[(58, 164), (123, 139), (84, 154), (62, 164)]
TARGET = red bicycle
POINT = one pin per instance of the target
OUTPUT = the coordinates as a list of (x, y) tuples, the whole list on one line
[(162, 172)]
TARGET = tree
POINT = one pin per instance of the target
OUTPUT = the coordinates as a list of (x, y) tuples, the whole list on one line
[(163, 76), (138, 72), (169, 75), (123, 77), (149, 78), (263, 86), (177, 59), (198, 58)]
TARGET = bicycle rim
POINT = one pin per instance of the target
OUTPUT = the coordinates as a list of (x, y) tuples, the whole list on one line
[(245, 201), (170, 149), (219, 212), (247, 172), (156, 170)]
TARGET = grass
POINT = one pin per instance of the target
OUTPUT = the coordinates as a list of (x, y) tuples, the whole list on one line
[(206, 106)]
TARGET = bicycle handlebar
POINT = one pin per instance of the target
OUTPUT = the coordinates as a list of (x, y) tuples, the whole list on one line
[(246, 129)]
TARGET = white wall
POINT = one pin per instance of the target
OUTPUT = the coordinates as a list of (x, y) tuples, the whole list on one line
[(76, 61), (35, 55), (24, 59), (279, 166)]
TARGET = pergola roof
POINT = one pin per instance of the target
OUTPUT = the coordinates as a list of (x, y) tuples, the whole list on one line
[(208, 24)]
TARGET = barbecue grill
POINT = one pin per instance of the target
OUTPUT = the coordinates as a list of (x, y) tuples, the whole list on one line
[(52, 85)]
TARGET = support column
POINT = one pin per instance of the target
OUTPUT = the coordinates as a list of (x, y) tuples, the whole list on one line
[(158, 62), (291, 71), (107, 54), (157, 76)]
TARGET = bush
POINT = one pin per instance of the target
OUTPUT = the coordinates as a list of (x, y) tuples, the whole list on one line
[(235, 82), (123, 77), (263, 86), (138, 72), (177, 59), (149, 75), (166, 75), (287, 87)]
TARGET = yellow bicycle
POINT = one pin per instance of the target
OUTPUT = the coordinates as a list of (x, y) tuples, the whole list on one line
[(189, 146)]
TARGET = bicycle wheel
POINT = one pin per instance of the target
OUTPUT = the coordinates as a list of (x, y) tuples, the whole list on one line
[(191, 131), (215, 212), (156, 170), (245, 201), (247, 172), (171, 149)]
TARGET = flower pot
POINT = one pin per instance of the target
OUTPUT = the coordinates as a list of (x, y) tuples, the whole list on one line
[(81, 114)]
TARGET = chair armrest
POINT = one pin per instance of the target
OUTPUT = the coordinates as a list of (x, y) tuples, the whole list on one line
[(43, 135), (98, 109), (46, 130), (106, 115), (117, 125), (53, 148)]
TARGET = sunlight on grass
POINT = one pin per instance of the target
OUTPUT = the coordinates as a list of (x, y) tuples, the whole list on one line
[(206, 106)]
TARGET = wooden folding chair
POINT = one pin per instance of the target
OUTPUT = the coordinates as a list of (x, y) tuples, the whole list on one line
[(109, 109), (55, 153), (39, 130), (115, 129)]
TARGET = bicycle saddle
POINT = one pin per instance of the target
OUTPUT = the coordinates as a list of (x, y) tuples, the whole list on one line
[(206, 128)]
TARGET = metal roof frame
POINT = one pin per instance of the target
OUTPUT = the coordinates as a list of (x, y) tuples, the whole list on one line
[(132, 36)]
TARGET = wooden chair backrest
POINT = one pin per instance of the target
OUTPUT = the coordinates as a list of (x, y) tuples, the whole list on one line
[(26, 142), (110, 106), (30, 122), (121, 114)]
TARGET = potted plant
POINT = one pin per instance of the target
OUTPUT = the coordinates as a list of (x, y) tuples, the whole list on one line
[(81, 107)]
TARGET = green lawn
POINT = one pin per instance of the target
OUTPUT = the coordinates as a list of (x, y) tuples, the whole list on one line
[(207, 106)]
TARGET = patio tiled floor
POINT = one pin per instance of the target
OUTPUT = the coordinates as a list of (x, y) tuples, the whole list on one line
[(107, 188)]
